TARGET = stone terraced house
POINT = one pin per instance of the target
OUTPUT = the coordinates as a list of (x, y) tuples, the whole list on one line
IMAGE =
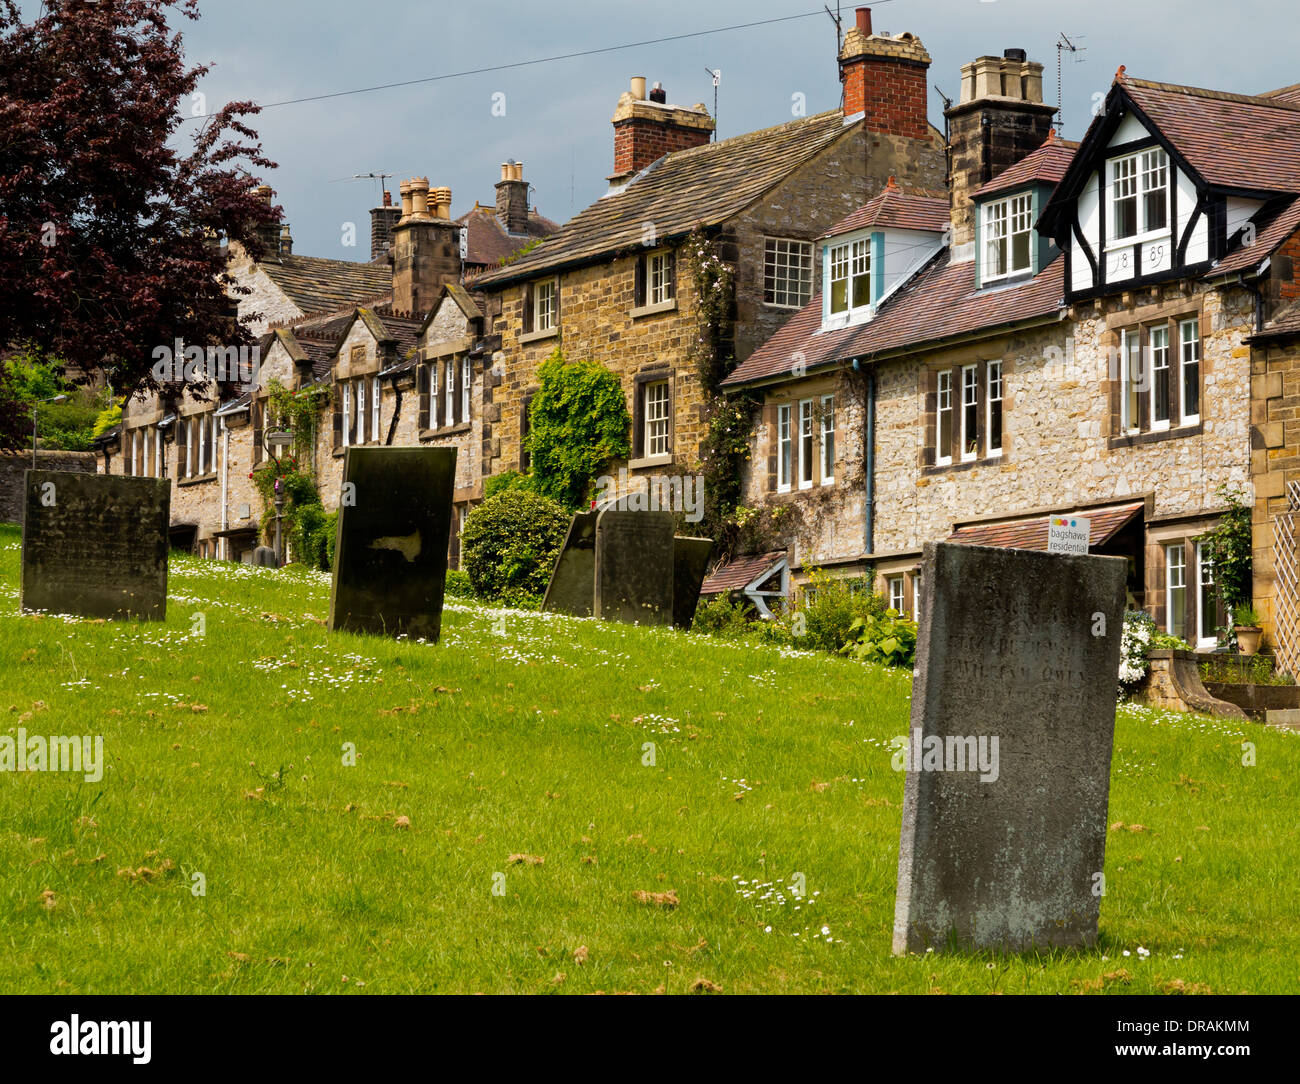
[(354, 331), (1105, 329)]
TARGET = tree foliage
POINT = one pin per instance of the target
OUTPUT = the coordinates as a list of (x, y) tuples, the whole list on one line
[(578, 423), (107, 230)]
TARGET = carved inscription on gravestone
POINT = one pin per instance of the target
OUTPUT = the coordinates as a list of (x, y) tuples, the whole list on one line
[(1008, 754), (634, 567), (390, 562), (95, 544)]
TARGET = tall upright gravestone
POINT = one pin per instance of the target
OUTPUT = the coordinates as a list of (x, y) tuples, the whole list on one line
[(95, 545), (1008, 759), (390, 560), (690, 565), (634, 567), (573, 582)]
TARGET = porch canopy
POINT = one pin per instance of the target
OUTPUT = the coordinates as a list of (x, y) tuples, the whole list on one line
[(1031, 534)]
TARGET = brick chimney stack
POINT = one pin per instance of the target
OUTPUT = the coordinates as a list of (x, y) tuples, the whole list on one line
[(647, 128), (1000, 118), (382, 221), (426, 247), (512, 198), (885, 79)]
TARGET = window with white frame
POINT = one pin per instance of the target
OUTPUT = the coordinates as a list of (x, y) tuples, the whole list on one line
[(993, 425), (449, 392), (1206, 599), (361, 412), (1160, 390), (660, 278), (943, 418), (1189, 338), (785, 447), (376, 404), (897, 592), (805, 443), (1139, 197), (1008, 237), (787, 272), (850, 274), (828, 440), (655, 400), (970, 412), (464, 388), (1175, 589), (916, 595), (544, 308), (347, 414)]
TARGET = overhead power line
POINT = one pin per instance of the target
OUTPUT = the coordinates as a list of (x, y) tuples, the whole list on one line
[(546, 59)]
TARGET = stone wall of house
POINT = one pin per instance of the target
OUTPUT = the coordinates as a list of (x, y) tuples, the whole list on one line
[(14, 464), (1275, 464)]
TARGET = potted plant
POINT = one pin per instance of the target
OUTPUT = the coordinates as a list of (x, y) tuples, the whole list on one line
[(1246, 625)]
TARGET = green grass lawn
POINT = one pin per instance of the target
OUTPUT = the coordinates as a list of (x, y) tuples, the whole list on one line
[(512, 756)]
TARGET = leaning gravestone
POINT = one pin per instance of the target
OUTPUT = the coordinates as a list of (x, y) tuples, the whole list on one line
[(634, 567), (573, 581), (390, 559), (95, 545), (690, 565), (1008, 760)]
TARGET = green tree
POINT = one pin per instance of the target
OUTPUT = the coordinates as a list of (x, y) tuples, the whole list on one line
[(509, 545), (578, 423)]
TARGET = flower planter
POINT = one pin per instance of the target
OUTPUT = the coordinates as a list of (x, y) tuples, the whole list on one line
[(1248, 638)]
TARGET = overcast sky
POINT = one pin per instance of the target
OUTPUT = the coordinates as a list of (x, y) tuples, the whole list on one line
[(557, 115)]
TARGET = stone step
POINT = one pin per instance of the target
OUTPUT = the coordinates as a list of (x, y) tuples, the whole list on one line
[(1283, 719)]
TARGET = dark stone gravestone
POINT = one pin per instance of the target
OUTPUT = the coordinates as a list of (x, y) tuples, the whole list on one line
[(690, 565), (95, 545), (634, 567), (1008, 759), (573, 582), (390, 560), (264, 557)]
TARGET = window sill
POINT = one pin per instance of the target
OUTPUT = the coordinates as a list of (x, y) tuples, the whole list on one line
[(197, 481), (538, 336), (1121, 244), (1154, 436), (654, 310), (1012, 278), (784, 308), (445, 431), (964, 464), (338, 452), (651, 461)]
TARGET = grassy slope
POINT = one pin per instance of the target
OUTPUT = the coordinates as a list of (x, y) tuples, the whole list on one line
[(523, 734)]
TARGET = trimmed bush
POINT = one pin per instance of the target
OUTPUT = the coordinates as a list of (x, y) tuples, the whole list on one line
[(509, 545), (458, 585)]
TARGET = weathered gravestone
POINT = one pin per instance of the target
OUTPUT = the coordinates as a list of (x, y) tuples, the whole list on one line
[(634, 567), (573, 582), (390, 559), (1008, 760), (264, 557), (690, 565), (95, 545)]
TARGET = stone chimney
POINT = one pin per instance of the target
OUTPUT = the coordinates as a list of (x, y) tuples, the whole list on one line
[(645, 129), (512, 197), (268, 230), (885, 79), (286, 241), (382, 221), (1000, 118), (426, 247)]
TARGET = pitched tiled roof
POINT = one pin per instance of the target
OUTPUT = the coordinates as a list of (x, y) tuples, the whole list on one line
[(1285, 94), (1277, 226), (1234, 140), (740, 572), (940, 303), (1045, 165), (488, 242), (897, 209), (699, 186), (1031, 534), (1285, 324), (317, 285)]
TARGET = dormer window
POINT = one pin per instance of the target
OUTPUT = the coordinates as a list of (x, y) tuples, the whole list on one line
[(1139, 202), (1008, 237), (850, 273)]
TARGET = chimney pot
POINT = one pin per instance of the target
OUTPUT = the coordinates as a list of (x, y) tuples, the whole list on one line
[(638, 87), (405, 189), (1015, 54), (864, 20), (388, 198), (507, 171), (658, 94)]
